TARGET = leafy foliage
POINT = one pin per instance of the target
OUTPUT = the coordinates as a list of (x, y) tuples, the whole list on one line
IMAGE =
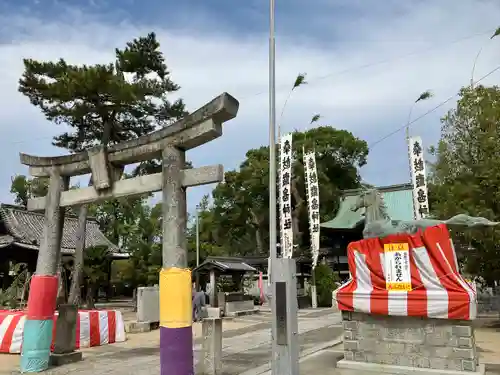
[(240, 207), (136, 227), (466, 175), (9, 296), (299, 81), (25, 188), (104, 103), (424, 96), (325, 284)]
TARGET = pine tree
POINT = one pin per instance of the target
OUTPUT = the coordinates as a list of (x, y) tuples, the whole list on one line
[(103, 104)]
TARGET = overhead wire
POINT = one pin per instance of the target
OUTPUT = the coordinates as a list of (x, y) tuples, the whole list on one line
[(339, 73), (370, 147), (383, 61)]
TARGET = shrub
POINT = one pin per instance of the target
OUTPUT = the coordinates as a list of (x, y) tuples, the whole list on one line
[(325, 284)]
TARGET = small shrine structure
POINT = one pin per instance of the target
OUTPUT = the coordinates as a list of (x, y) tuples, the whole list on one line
[(216, 271)]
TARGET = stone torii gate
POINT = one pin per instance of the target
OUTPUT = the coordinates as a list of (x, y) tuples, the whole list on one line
[(106, 166)]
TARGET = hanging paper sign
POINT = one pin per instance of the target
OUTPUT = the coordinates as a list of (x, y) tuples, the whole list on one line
[(285, 196), (397, 267), (419, 179), (312, 190)]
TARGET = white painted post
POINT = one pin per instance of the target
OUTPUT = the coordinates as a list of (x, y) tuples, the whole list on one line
[(314, 293), (314, 297)]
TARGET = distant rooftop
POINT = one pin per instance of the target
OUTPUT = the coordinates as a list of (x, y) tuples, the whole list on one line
[(25, 228), (225, 264)]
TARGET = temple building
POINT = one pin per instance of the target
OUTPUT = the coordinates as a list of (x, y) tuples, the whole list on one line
[(348, 225), (21, 231)]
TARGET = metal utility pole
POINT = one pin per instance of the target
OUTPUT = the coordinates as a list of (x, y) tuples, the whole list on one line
[(272, 151), (285, 350)]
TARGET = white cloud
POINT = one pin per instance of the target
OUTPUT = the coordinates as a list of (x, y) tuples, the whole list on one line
[(362, 76)]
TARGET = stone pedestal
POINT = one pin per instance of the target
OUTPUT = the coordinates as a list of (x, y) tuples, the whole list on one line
[(211, 361), (66, 329), (64, 343), (393, 344), (65, 358)]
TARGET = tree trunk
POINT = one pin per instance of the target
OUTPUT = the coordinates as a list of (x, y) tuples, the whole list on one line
[(61, 290), (89, 298), (258, 240), (258, 235), (74, 294)]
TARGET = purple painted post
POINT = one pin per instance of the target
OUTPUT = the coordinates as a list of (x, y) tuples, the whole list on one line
[(174, 356)]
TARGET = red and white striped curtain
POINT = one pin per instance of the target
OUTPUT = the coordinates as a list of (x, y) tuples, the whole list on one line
[(437, 289)]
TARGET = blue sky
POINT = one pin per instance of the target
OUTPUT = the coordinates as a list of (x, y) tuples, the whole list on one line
[(366, 62), (241, 17)]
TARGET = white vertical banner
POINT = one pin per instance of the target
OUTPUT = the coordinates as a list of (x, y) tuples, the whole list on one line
[(418, 178), (312, 189), (285, 196)]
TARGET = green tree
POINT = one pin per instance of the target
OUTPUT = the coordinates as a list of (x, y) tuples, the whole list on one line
[(466, 174), (145, 247), (117, 218), (325, 284), (25, 188), (102, 105), (241, 201), (207, 234), (241, 205)]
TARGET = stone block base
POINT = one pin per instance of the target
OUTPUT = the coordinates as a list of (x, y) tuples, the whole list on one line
[(65, 358), (409, 342), (234, 314), (212, 312), (365, 367), (140, 327)]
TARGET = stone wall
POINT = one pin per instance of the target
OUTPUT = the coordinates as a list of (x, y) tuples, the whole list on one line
[(238, 306), (488, 304), (410, 341)]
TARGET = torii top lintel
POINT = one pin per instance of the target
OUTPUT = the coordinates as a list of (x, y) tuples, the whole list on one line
[(197, 128)]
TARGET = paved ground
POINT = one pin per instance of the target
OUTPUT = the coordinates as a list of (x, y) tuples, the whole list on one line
[(246, 346), (8, 363), (324, 363)]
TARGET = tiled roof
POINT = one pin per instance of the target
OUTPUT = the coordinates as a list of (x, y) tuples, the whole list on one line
[(5, 240), (225, 264), (25, 229), (397, 198)]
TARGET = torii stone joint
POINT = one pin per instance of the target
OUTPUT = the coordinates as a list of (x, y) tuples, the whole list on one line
[(106, 166), (99, 167)]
